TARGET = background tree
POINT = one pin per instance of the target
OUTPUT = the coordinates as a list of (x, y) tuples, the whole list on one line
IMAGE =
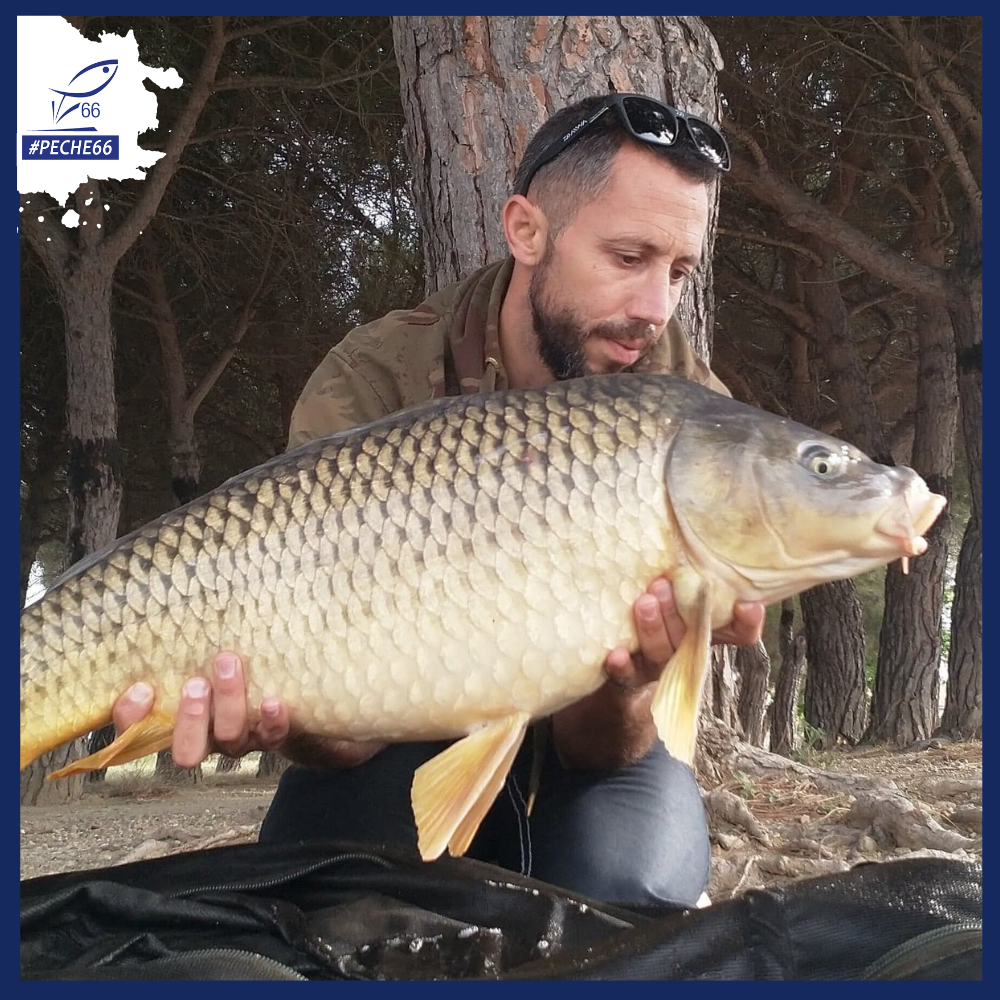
[(833, 122)]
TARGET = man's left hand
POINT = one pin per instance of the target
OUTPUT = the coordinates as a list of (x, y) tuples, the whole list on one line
[(613, 726), (661, 630)]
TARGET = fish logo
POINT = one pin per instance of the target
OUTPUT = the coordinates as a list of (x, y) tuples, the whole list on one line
[(93, 79)]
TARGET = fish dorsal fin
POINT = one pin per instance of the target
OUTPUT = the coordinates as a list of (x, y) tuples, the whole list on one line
[(149, 735), (677, 699), (453, 791)]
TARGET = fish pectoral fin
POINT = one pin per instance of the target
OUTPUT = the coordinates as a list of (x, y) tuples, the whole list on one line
[(149, 735), (453, 791), (677, 699)]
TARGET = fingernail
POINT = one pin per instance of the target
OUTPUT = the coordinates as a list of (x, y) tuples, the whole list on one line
[(197, 687), (649, 608), (663, 592), (140, 693), (225, 666), (270, 707)]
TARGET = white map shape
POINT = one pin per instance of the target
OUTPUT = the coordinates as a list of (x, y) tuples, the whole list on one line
[(50, 51)]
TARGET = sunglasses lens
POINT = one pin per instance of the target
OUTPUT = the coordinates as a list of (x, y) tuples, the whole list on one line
[(649, 122), (708, 139)]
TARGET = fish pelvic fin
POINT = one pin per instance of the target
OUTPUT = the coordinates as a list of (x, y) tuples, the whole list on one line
[(453, 791), (677, 699), (149, 735)]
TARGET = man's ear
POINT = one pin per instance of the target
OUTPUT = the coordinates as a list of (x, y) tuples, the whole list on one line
[(526, 230)]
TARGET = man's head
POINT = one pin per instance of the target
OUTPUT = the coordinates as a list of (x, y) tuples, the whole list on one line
[(607, 227)]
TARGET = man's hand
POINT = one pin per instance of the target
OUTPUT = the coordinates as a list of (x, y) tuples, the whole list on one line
[(212, 718), (613, 726), (661, 630)]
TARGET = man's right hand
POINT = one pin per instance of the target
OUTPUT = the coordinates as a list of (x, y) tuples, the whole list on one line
[(212, 718)]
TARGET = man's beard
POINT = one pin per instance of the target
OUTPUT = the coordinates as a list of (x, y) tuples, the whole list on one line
[(562, 336)]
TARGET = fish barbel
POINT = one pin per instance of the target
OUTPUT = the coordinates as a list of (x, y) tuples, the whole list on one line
[(462, 568)]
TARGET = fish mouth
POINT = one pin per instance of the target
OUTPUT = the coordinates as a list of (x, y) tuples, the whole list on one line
[(907, 521)]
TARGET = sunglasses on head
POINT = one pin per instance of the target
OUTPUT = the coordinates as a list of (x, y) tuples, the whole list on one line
[(646, 121)]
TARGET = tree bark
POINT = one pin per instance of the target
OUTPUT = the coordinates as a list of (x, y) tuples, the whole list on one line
[(723, 702), (271, 765), (785, 704), (49, 456), (754, 668), (910, 638), (835, 672), (963, 712), (963, 709), (166, 770)]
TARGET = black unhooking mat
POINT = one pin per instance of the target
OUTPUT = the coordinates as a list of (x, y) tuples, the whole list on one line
[(340, 911)]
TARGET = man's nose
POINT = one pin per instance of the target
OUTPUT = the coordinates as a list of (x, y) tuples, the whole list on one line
[(652, 303)]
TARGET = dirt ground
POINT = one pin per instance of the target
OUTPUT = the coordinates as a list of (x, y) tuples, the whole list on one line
[(792, 825)]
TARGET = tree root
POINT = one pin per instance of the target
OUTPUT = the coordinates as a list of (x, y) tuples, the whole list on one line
[(154, 848), (971, 816), (893, 818), (946, 788), (814, 822), (729, 808)]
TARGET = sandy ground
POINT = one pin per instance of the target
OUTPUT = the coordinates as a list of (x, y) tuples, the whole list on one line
[(801, 829)]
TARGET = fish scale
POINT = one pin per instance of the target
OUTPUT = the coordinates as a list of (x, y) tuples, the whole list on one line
[(310, 561)]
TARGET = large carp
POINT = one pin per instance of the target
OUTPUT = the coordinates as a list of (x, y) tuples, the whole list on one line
[(461, 568)]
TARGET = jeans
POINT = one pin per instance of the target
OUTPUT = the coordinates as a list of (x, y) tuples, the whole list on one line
[(636, 835)]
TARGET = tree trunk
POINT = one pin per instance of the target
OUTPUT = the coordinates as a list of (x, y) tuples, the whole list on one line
[(49, 456), (168, 772), (271, 765), (185, 459), (910, 639), (94, 473), (724, 683), (226, 765), (835, 671), (753, 666), (785, 704), (475, 89), (834, 625), (963, 709)]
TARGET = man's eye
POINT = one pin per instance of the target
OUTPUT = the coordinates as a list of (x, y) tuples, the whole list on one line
[(629, 259)]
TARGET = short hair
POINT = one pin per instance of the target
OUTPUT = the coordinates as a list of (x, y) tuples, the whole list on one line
[(581, 171)]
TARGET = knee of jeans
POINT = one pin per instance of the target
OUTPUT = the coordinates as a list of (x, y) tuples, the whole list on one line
[(661, 875)]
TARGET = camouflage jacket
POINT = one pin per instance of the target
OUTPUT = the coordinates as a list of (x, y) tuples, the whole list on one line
[(446, 346)]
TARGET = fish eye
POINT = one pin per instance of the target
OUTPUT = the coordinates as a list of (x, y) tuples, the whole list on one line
[(821, 461)]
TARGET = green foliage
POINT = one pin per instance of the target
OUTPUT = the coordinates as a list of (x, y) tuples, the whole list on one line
[(747, 788)]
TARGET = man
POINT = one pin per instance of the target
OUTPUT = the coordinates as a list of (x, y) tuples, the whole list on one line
[(606, 224)]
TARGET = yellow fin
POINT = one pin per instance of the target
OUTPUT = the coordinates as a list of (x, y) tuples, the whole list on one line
[(677, 699), (149, 735), (453, 791)]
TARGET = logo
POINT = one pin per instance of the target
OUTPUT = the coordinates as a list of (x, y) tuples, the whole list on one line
[(82, 105), (86, 84), (88, 109)]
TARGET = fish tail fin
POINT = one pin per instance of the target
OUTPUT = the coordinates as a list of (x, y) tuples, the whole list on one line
[(677, 699), (149, 735), (453, 791)]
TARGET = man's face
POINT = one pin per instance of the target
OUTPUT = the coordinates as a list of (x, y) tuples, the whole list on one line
[(603, 293)]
